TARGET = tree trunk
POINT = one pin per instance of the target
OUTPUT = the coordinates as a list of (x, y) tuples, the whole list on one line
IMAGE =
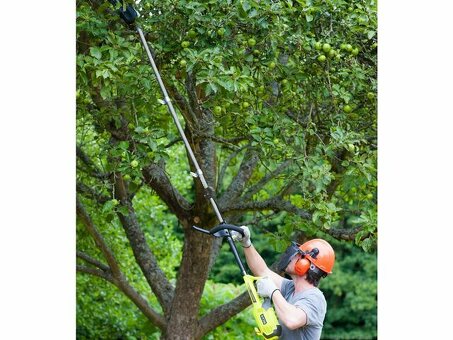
[(192, 275)]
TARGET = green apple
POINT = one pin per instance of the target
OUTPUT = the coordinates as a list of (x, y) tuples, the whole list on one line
[(221, 32), (191, 34), (251, 42)]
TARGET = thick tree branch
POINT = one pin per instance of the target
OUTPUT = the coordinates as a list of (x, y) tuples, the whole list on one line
[(142, 304), (344, 234), (223, 313), (184, 107), (112, 274), (236, 188), (99, 240), (127, 289), (192, 95), (275, 203), (145, 258), (158, 180)]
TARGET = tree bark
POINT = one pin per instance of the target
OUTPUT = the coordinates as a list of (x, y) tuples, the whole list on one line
[(192, 275), (142, 253)]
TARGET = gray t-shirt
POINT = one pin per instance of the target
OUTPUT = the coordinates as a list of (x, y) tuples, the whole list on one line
[(313, 303)]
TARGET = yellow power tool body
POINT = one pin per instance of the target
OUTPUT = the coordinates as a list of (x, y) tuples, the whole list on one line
[(263, 312)]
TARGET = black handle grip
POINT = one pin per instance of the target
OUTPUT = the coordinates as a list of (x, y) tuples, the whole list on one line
[(227, 226), (220, 227), (201, 230), (221, 230)]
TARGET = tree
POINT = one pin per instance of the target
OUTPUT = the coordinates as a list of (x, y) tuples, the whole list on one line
[(278, 103)]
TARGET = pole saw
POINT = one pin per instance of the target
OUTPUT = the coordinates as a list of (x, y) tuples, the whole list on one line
[(263, 312)]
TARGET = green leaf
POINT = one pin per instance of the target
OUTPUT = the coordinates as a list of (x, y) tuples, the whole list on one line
[(367, 244), (124, 145), (315, 217), (249, 58), (253, 13), (227, 84), (108, 206), (95, 52), (152, 144), (123, 210), (105, 92), (371, 34), (246, 5), (208, 89)]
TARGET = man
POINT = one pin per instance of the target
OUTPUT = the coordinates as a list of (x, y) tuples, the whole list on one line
[(299, 304)]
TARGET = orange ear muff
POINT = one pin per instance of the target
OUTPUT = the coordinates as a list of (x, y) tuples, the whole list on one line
[(301, 267)]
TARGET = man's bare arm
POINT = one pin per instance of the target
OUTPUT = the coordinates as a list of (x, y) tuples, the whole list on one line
[(292, 316), (259, 267)]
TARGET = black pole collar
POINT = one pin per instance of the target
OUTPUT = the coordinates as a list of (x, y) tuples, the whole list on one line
[(128, 14)]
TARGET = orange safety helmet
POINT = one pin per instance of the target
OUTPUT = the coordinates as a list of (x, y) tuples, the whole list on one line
[(316, 252)]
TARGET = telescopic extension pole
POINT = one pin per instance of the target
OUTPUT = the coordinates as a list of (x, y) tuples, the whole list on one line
[(167, 101), (129, 15)]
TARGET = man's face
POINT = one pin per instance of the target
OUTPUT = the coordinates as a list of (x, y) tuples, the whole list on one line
[(290, 268)]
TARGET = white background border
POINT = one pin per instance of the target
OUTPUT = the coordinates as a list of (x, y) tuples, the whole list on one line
[(37, 244)]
